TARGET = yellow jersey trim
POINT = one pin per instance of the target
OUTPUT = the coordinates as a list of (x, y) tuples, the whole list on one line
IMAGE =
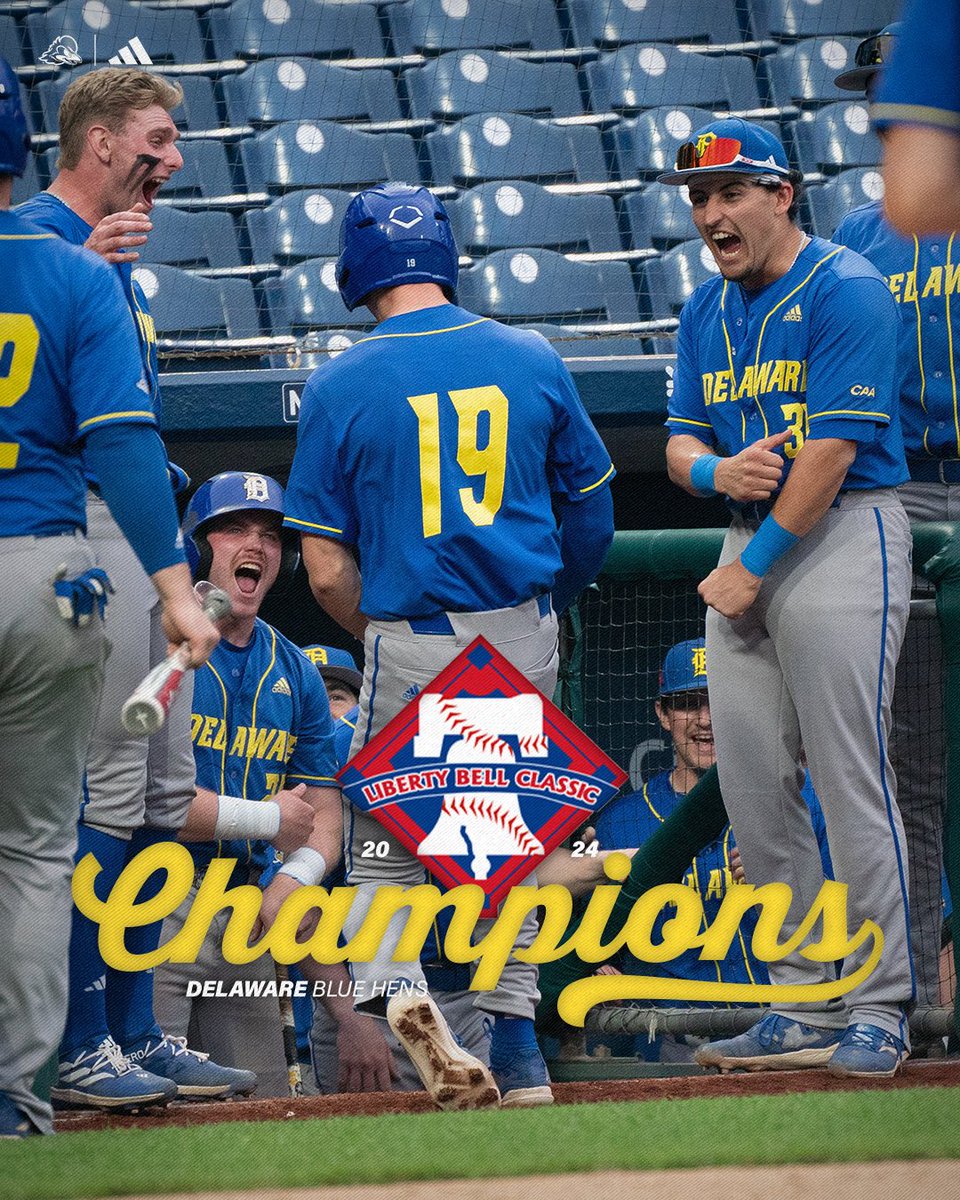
[(311, 525), (850, 412), (115, 416), (916, 114), (602, 479), (376, 337)]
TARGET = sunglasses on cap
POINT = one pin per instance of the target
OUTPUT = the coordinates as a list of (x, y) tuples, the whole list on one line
[(874, 51), (689, 701)]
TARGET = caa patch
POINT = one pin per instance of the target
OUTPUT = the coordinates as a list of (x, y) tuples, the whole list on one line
[(481, 776)]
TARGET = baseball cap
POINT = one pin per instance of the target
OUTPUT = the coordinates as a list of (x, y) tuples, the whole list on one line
[(729, 145), (868, 58), (335, 664), (684, 668)]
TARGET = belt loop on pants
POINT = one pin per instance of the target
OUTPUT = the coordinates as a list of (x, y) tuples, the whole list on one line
[(440, 624)]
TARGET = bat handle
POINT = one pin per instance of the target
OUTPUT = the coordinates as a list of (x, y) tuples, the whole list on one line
[(146, 710)]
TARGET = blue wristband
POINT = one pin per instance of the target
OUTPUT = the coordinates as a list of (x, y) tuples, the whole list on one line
[(767, 545), (702, 472)]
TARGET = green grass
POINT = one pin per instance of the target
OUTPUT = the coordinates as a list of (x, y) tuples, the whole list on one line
[(830, 1127)]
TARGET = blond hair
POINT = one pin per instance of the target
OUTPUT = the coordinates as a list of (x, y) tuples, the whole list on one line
[(108, 97)]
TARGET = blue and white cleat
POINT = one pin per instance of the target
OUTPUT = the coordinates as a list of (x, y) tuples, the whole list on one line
[(103, 1077), (868, 1052), (774, 1044), (195, 1076), (523, 1081)]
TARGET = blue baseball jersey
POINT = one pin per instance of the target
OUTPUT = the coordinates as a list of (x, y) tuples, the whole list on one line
[(436, 445), (266, 729), (68, 363), (923, 275), (814, 353), (921, 84)]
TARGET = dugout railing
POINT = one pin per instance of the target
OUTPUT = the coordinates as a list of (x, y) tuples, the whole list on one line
[(646, 600)]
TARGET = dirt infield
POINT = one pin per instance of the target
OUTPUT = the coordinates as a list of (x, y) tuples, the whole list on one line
[(706, 1086)]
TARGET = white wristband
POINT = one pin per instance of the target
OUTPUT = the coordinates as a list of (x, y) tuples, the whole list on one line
[(237, 818), (306, 866)]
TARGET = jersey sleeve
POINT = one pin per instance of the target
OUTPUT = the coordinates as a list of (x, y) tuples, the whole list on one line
[(313, 760), (579, 462), (921, 84), (317, 500), (851, 360), (106, 380), (686, 410)]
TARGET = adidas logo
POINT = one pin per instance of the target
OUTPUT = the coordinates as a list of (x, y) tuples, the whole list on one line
[(793, 314), (281, 687), (98, 985), (131, 55), (411, 692)]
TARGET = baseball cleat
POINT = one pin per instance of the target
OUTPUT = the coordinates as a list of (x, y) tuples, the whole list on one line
[(454, 1078), (774, 1044), (523, 1081), (868, 1052), (13, 1123), (103, 1077), (196, 1077)]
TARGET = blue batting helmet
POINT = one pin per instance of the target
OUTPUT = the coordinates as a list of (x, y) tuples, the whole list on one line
[(234, 491), (14, 139), (393, 234)]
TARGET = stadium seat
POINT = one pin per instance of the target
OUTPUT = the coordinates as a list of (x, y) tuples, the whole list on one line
[(11, 47), (198, 110), (188, 306), (522, 286), (182, 239), (659, 216), (205, 172), (648, 144), (784, 19), (570, 344), (299, 154), (264, 28), (611, 23), (498, 216), (669, 281), (830, 202), (433, 26), (804, 73), (477, 81), (291, 89), (838, 135), (637, 77), (306, 298), (489, 146), (28, 184), (105, 29), (298, 226)]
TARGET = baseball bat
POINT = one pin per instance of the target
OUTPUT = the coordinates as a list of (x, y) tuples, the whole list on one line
[(146, 708), (288, 1026)]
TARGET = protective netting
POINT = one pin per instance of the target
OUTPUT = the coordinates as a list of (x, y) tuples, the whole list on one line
[(542, 122)]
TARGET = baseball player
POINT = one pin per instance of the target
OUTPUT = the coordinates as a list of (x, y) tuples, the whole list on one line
[(918, 104), (263, 743), (487, 440), (340, 677), (915, 269), (785, 402), (117, 147), (71, 392)]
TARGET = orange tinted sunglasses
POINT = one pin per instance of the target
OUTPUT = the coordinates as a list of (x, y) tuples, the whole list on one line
[(718, 152)]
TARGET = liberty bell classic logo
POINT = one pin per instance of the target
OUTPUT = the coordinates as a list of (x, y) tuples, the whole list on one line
[(481, 776)]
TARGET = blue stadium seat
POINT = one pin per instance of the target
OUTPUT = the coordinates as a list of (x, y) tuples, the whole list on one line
[(522, 286), (103, 29), (11, 47), (264, 28), (433, 26), (188, 306), (659, 216), (838, 135), (298, 226), (830, 202), (498, 216), (198, 110), (784, 19), (183, 239), (804, 72), (299, 154), (306, 298), (488, 146), (291, 89), (205, 171), (610, 23), (669, 281), (648, 144), (28, 184), (476, 81), (636, 77)]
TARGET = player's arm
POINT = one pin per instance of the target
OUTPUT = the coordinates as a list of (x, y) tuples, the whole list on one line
[(285, 819), (310, 862), (753, 474), (334, 580), (586, 531)]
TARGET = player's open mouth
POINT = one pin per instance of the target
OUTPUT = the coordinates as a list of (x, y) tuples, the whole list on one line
[(727, 245), (149, 191), (248, 576)]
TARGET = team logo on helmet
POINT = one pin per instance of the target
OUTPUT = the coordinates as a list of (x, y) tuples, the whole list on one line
[(255, 487), (63, 51), (411, 215), (698, 661)]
